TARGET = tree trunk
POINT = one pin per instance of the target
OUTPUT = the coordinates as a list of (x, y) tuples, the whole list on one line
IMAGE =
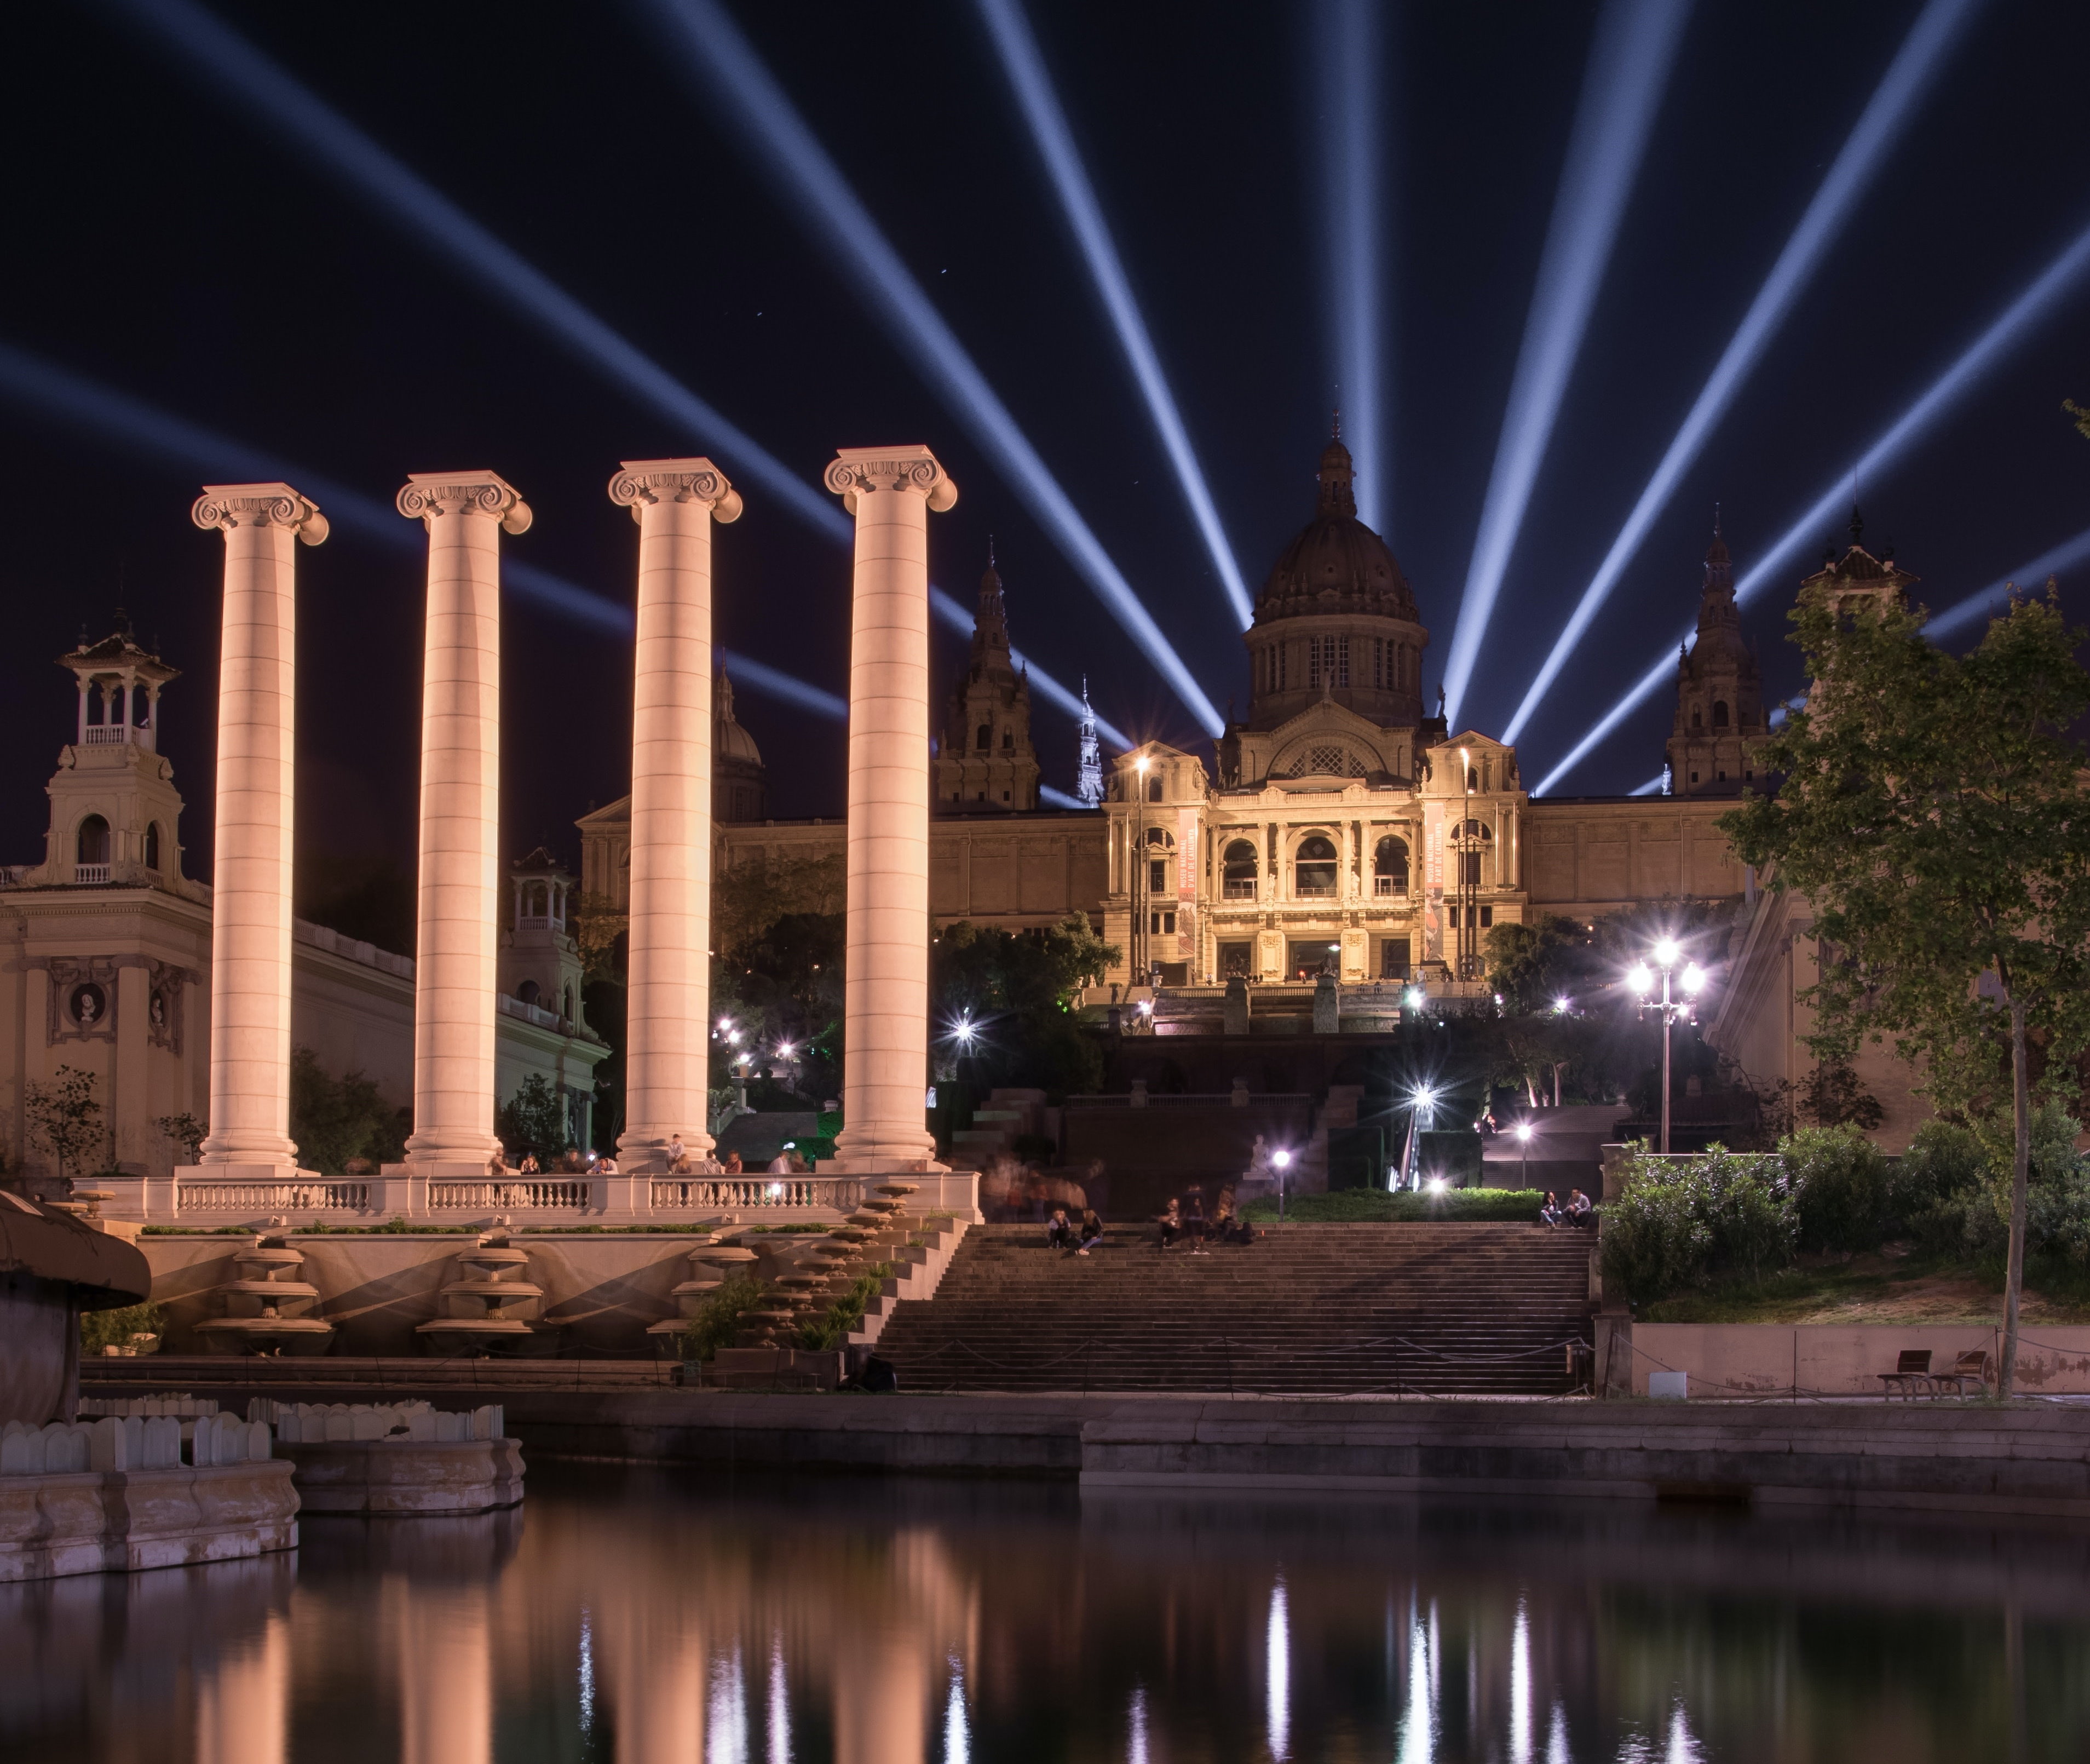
[(2020, 1174), (1530, 1091)]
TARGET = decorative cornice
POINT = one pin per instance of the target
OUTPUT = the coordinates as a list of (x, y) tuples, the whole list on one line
[(641, 482), (227, 506), (430, 493), (858, 469)]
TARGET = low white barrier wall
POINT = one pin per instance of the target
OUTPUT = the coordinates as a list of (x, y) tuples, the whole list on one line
[(1759, 1359)]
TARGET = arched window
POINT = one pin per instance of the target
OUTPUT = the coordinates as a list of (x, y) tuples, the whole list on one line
[(567, 1006), (1153, 788), (93, 842), (1472, 777), (1239, 866), (1313, 869), (1389, 866), (1719, 713), (1160, 860), (983, 738), (529, 991), (152, 845), (1697, 717)]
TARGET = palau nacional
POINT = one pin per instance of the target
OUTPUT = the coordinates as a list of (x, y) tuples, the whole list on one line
[(1338, 830)]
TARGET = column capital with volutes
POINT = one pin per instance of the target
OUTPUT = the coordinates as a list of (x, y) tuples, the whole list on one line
[(642, 483), (428, 494), (225, 506), (856, 469)]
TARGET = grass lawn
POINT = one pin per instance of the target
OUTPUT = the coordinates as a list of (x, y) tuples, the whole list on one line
[(1892, 1285)]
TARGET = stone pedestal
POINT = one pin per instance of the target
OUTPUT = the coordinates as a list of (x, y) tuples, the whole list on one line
[(249, 968), (667, 1059), (890, 491), (465, 513)]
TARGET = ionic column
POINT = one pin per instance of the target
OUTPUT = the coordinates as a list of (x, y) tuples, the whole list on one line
[(666, 1057), (465, 513), (890, 491), (250, 965)]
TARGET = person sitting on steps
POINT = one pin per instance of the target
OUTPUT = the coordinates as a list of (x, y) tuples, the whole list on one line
[(1171, 1223), (1060, 1230), (1581, 1214), (1195, 1222), (1550, 1215), (1090, 1231)]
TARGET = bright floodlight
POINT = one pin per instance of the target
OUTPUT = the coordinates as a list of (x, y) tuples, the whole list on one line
[(1523, 1131), (2011, 326), (1437, 1185), (1026, 68), (1629, 63), (964, 1029), (1282, 1158), (1892, 103), (783, 1050), (1665, 952), (1561, 1006), (1415, 998), (1425, 1097), (1694, 977), (1640, 979), (724, 1024), (1146, 1007), (1352, 102), (732, 80), (224, 57)]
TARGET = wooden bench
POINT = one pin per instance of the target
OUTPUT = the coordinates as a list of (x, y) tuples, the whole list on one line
[(1910, 1375), (1973, 1367)]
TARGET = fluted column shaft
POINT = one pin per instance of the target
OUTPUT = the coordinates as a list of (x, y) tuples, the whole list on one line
[(885, 1060), (249, 968), (667, 1055), (459, 906)]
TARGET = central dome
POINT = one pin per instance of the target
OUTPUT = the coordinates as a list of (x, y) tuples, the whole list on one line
[(1337, 564)]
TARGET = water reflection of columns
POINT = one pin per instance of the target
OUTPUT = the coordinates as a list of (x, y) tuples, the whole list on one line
[(652, 1653), (445, 1668), (242, 1708), (890, 1660)]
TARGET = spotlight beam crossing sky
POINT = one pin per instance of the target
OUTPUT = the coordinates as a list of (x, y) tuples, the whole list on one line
[(1346, 38), (1630, 59), (2027, 579), (2060, 276), (1892, 105), (952, 613), (226, 59), (1025, 66), (727, 73)]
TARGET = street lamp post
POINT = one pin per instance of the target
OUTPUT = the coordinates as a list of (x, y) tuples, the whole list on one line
[(1523, 1144), (1138, 950), (1282, 1159), (1669, 1007)]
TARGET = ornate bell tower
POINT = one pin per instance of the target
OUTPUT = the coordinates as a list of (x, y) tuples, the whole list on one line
[(986, 762)]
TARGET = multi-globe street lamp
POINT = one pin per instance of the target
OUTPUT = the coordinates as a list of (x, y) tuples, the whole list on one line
[(1666, 955)]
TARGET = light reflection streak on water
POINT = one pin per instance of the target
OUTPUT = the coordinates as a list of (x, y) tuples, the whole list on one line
[(725, 1725), (1682, 1749), (958, 1742), (1135, 1751), (1556, 1741), (586, 1672), (1520, 1689), (1418, 1720), (780, 1704), (1279, 1677)]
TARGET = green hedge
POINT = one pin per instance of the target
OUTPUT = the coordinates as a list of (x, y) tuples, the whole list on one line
[(1372, 1206)]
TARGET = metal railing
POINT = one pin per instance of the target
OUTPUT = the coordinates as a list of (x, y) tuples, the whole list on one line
[(1237, 890), (737, 1193), (248, 1197), (1385, 885)]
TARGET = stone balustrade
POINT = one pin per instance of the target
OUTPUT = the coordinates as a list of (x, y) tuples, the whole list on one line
[(191, 1196)]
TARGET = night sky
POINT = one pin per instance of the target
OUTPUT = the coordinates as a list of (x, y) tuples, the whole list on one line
[(166, 244)]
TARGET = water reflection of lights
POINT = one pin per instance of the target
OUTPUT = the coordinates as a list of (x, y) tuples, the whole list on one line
[(1135, 1750), (780, 1704), (1418, 1720), (1556, 1740), (586, 1672), (725, 1725), (1520, 1689), (958, 1741), (1280, 1676)]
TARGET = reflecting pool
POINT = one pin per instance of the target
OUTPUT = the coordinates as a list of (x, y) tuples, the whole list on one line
[(646, 1616)]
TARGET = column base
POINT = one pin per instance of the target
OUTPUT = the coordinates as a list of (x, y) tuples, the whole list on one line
[(939, 1189)]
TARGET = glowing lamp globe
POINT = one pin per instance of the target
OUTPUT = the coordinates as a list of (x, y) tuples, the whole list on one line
[(1282, 1159), (1694, 977), (1665, 952), (1640, 979)]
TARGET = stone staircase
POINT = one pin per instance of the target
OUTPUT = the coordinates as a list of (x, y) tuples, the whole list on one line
[(1467, 1309), (995, 1127)]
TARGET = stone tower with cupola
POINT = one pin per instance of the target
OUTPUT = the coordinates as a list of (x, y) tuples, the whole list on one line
[(985, 763), (1719, 724), (115, 813)]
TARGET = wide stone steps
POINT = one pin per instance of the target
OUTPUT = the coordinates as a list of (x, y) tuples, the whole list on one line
[(1475, 1310)]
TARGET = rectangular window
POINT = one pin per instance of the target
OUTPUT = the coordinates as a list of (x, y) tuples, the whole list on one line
[(1341, 659), (1161, 924), (1280, 667), (1157, 876), (1312, 661), (1488, 918)]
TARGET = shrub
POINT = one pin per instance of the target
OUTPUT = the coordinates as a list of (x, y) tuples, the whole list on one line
[(100, 1329), (1844, 1186), (718, 1316), (1679, 1224), (832, 1326)]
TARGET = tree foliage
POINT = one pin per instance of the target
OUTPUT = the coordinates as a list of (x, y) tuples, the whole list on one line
[(1932, 810), (748, 900), (65, 1118), (533, 1119), (1021, 989), (335, 1120)]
